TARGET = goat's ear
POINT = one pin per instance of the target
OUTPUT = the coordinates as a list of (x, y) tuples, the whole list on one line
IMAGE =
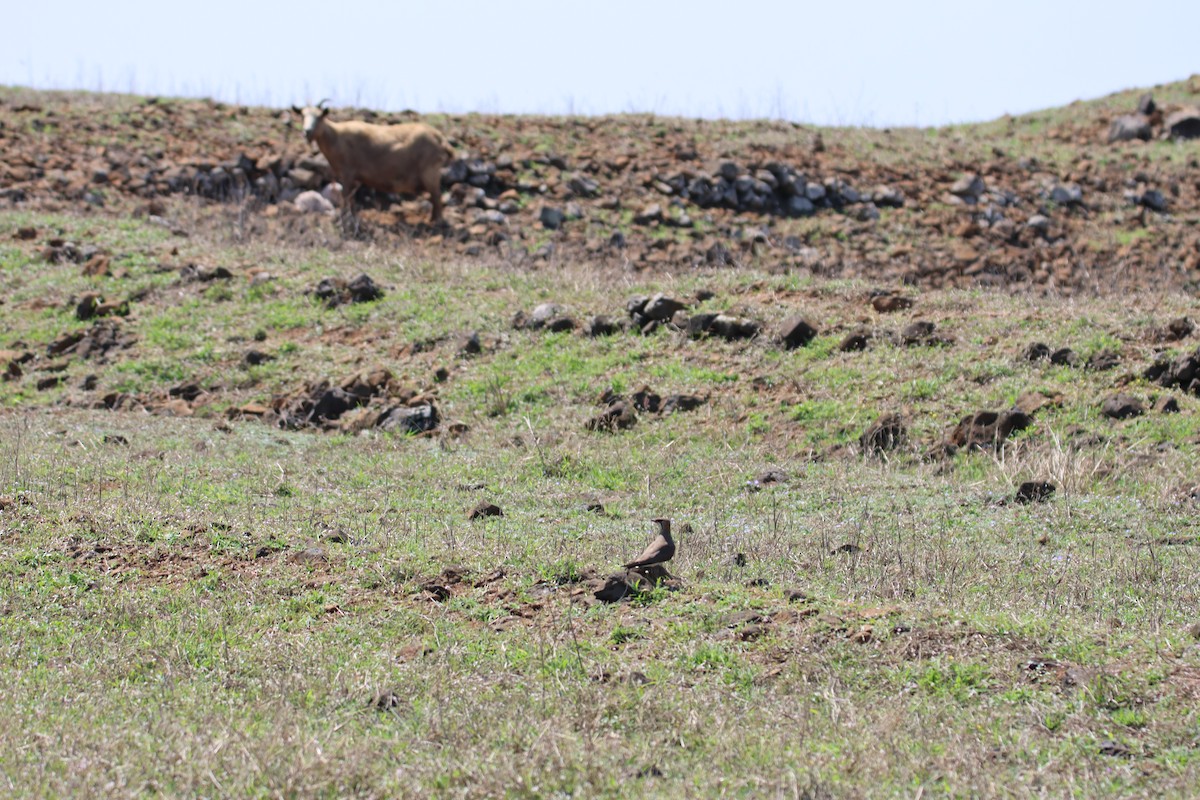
[(324, 113), (297, 109)]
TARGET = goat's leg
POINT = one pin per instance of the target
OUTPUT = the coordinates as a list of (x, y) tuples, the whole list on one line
[(347, 214)]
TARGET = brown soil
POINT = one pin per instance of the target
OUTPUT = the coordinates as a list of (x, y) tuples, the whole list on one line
[(660, 193)]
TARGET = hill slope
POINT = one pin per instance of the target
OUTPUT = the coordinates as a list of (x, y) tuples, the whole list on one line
[(1055, 207)]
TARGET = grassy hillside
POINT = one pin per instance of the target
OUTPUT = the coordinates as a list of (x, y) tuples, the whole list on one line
[(215, 585)]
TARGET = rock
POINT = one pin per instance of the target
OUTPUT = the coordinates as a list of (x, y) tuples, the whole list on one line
[(1066, 194), (410, 419), (887, 197), (337, 291), (636, 306), (919, 332), (1183, 124), (1035, 492), (661, 308), (550, 316), (1032, 402), (1039, 223), (888, 302), (682, 402), (723, 326), (601, 325), (485, 509), (615, 589), (471, 345), (253, 358), (969, 187), (302, 178), (855, 340), (796, 331), (1146, 104), (618, 416), (491, 217), (333, 193), (988, 429), (867, 212), (1128, 128), (1122, 406), (1036, 352), (583, 186), (647, 401), (86, 308), (1154, 200), (886, 433), (1166, 405), (1103, 360), (800, 206), (1182, 371), (649, 214), (551, 218), (333, 403), (1064, 357), (311, 202)]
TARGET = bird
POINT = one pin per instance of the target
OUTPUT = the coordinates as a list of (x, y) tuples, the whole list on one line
[(661, 550)]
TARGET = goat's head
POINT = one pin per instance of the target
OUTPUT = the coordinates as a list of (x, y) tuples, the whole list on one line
[(312, 117)]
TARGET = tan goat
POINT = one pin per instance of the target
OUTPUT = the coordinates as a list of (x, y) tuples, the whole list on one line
[(405, 159)]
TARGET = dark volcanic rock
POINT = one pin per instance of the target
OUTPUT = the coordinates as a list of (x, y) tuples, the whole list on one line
[(1183, 124), (1166, 405), (887, 302), (662, 308), (796, 331), (1064, 357), (552, 218), (337, 291), (919, 332), (1175, 330), (1035, 492), (253, 358), (987, 429), (682, 402), (410, 419), (618, 416), (886, 433), (1122, 406), (647, 401), (485, 509), (1129, 127), (602, 325), (723, 326), (855, 340), (1036, 352), (1103, 360)]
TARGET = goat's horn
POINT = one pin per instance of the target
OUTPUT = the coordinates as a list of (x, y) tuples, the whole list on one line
[(322, 103)]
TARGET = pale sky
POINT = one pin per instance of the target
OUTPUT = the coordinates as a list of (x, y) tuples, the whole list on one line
[(864, 62)]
